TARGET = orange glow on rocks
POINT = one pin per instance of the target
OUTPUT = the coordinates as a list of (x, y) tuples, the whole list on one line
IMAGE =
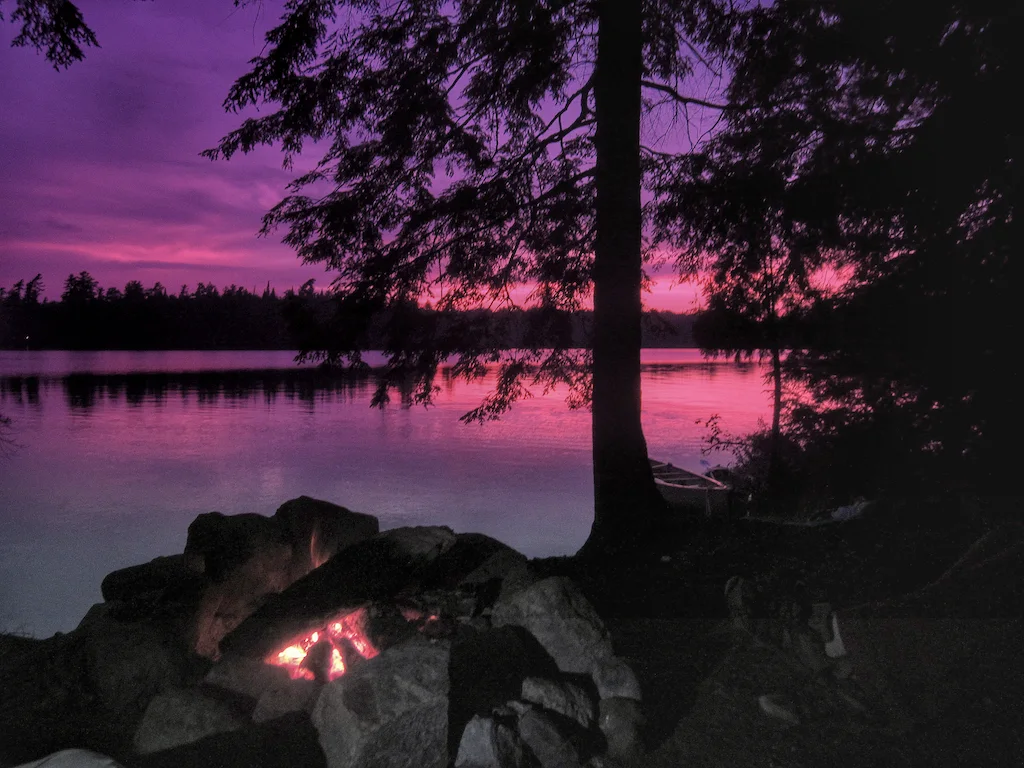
[(301, 661), (316, 557)]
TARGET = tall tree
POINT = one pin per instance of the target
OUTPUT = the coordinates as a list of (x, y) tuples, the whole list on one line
[(470, 148), (723, 215), (897, 153)]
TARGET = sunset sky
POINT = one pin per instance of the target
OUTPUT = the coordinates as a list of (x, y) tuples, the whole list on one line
[(100, 166)]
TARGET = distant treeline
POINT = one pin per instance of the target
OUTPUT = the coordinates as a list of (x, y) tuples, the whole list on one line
[(88, 316)]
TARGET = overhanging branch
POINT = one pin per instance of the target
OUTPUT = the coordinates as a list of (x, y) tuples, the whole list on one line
[(677, 97)]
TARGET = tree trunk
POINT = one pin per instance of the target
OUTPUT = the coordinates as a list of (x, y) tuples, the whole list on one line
[(773, 466), (627, 505)]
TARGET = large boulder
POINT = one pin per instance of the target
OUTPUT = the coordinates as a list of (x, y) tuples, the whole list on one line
[(489, 743), (129, 662), (390, 713), (561, 697), (285, 698), (183, 716), (217, 544), (488, 669), (555, 612), (226, 603), (615, 679), (73, 758), (621, 721), (471, 559), (246, 677), (44, 693), (328, 529), (287, 742), (548, 742), (148, 580)]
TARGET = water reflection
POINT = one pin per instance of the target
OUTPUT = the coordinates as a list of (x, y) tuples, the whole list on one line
[(113, 464), (85, 391)]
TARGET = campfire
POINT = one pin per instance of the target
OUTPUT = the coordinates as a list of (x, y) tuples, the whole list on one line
[(320, 655), (408, 644)]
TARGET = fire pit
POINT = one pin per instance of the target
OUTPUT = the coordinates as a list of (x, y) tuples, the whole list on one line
[(408, 647)]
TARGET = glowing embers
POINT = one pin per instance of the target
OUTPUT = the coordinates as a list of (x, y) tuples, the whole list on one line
[(320, 654)]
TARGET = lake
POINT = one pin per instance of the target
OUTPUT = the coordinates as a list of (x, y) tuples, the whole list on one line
[(115, 453)]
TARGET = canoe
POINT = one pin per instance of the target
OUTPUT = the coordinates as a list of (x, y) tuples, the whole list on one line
[(687, 491)]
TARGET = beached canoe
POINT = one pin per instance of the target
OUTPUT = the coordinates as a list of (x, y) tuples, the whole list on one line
[(690, 492)]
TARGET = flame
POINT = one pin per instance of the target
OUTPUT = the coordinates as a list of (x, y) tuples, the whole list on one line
[(417, 617), (292, 655), (349, 627), (337, 668), (352, 628), (316, 557), (411, 614)]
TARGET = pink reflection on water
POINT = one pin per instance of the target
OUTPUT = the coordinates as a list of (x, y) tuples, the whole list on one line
[(116, 479)]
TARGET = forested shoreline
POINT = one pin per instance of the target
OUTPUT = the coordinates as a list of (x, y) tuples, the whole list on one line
[(89, 317)]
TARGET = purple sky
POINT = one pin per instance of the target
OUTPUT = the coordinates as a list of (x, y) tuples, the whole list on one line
[(100, 166)]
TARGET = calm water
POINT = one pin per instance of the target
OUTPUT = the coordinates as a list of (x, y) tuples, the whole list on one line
[(117, 452)]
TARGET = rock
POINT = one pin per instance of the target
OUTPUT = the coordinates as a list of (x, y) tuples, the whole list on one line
[(217, 544), (489, 744), (243, 558), (487, 669), (227, 603), (502, 565), (152, 578), (621, 722), (546, 741), (556, 613), (182, 716), (246, 677), (44, 693), (500, 576), (464, 556), (779, 707), (73, 758), (287, 742), (127, 663), (391, 713), (566, 699), (324, 527), (291, 696), (614, 678), (424, 543)]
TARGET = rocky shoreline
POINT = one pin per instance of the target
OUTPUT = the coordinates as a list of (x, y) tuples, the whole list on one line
[(329, 643), (652, 674)]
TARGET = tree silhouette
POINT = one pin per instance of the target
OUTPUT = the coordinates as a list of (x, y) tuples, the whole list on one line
[(467, 149), (54, 27), (724, 214), (883, 137), (470, 148)]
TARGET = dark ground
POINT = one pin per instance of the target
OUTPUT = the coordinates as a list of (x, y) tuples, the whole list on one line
[(702, 679)]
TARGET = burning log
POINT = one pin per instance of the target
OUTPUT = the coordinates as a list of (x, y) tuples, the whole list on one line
[(377, 570), (245, 558)]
